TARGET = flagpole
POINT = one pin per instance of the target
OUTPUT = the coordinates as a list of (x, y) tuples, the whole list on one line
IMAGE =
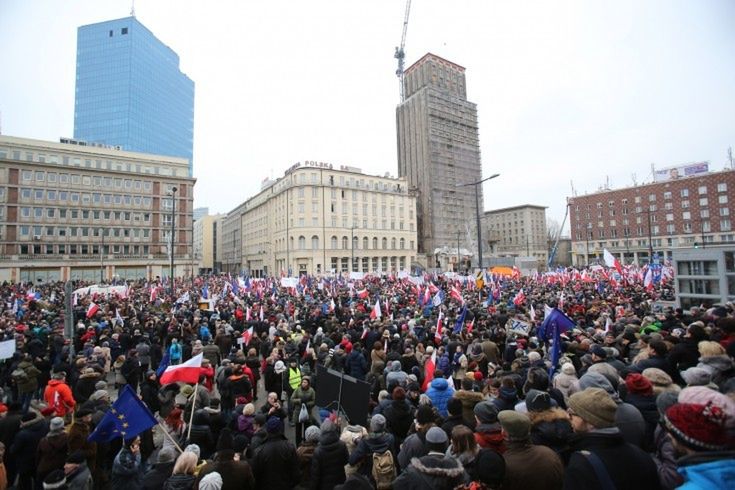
[(193, 407), (165, 432)]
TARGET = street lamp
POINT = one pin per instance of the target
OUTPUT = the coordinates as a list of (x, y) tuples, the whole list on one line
[(173, 220), (477, 214)]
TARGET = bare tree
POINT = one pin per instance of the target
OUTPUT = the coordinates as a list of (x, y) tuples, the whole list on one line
[(553, 231)]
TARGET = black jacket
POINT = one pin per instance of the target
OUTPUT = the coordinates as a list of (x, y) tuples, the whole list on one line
[(154, 478), (201, 434), (23, 449), (328, 463), (149, 394), (179, 482), (627, 465), (399, 418), (275, 464)]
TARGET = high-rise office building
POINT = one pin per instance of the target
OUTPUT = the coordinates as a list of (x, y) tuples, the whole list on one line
[(438, 152), (130, 91)]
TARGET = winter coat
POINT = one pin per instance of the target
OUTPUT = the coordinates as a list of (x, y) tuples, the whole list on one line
[(439, 392), (395, 376), (149, 393), (30, 383), (155, 477), (681, 357), (435, 471), (707, 470), (413, 447), (78, 433), (374, 443), (566, 384), (443, 364), (275, 464), (719, 367), (520, 456), (631, 423), (399, 419), (551, 428), (328, 463), (507, 399), (80, 479), (356, 365), (469, 399), (127, 471), (646, 405), (84, 387), (299, 397), (58, 394), (179, 481), (23, 449), (665, 459), (201, 434), (236, 475), (245, 425), (305, 454), (627, 465), (51, 453)]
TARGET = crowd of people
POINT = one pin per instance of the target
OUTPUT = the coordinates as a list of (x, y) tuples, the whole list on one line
[(465, 392)]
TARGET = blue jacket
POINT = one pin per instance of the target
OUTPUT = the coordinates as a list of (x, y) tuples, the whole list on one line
[(356, 365), (711, 474), (444, 364), (439, 393)]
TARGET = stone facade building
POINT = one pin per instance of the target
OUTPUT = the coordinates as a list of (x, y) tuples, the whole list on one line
[(518, 231)]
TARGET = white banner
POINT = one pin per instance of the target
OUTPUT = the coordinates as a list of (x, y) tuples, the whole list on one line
[(673, 173), (7, 349), (518, 327), (289, 282)]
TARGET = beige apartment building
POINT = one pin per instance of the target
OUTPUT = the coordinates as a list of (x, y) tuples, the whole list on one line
[(518, 231), (320, 218), (205, 242), (73, 210)]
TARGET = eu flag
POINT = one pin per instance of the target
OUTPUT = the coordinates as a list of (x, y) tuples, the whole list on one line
[(164, 364), (127, 418), (460, 321)]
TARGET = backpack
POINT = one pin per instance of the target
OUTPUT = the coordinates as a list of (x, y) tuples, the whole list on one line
[(384, 470), (19, 375)]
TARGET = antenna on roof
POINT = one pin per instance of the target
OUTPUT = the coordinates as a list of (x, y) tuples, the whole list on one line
[(574, 191), (729, 157), (132, 9), (635, 180)]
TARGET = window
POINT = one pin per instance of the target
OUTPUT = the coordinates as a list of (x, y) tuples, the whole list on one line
[(702, 189), (706, 226), (27, 175), (314, 242), (334, 243), (685, 204), (667, 195), (302, 242), (724, 211), (345, 243), (652, 198), (725, 225), (40, 176), (722, 199), (704, 213), (684, 193), (669, 216), (703, 201), (671, 228), (722, 187)]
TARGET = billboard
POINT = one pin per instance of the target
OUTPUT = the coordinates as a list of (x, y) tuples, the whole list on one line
[(673, 173)]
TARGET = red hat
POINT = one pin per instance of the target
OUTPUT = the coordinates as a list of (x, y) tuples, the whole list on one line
[(700, 427), (3, 408), (478, 376), (638, 385)]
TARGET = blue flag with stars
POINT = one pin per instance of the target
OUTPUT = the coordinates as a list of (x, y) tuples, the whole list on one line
[(127, 418)]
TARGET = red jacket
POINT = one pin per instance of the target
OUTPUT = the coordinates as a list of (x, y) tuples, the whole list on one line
[(58, 395)]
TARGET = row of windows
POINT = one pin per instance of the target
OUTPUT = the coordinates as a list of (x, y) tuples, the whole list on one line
[(704, 227), (38, 231), (85, 214), (378, 264), (701, 190), (349, 182), (334, 242), (86, 180), (686, 215), (82, 249), (27, 194)]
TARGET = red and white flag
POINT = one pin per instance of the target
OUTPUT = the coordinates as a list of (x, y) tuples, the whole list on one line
[(331, 305), (611, 261), (375, 313), (262, 314), (455, 294), (187, 372), (519, 298), (429, 369), (648, 280), (246, 336), (470, 326), (92, 309), (363, 293), (439, 328), (248, 314)]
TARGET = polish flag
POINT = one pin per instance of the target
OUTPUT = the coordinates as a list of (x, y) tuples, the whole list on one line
[(363, 294), (611, 261), (608, 324), (429, 368), (648, 280), (454, 293), (248, 314), (331, 305), (375, 313), (470, 326), (439, 329), (92, 309), (187, 372), (519, 298), (246, 336), (365, 331)]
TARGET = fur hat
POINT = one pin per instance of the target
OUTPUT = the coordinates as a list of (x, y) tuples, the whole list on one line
[(594, 406), (699, 427)]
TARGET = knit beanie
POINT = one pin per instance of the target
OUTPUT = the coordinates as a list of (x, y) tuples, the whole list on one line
[(377, 423), (490, 467), (568, 369), (699, 427), (486, 412), (313, 433), (274, 425), (56, 426), (638, 385), (695, 376), (701, 395), (193, 448), (594, 406), (211, 481)]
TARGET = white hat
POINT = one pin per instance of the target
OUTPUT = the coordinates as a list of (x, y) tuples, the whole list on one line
[(280, 367)]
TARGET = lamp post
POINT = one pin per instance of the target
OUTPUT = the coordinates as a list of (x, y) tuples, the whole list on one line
[(173, 229), (477, 215)]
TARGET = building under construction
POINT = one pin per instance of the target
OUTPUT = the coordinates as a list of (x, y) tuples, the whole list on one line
[(438, 152)]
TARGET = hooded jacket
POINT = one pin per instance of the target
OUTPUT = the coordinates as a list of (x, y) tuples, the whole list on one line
[(439, 392), (58, 395), (23, 449), (275, 463), (707, 470), (395, 375), (374, 443), (328, 463), (551, 428), (127, 471), (435, 471), (469, 399), (399, 418), (548, 471), (51, 452)]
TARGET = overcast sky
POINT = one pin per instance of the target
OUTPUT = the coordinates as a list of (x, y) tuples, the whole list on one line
[(566, 91)]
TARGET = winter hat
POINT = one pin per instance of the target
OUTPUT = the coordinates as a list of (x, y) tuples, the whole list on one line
[(435, 435), (664, 401), (193, 448), (595, 406), (313, 433), (166, 455), (699, 427), (661, 381), (274, 425), (477, 376), (701, 395), (259, 419), (56, 425), (98, 395), (425, 415), (56, 480), (516, 425), (490, 467), (638, 385), (211, 481), (279, 367), (595, 380), (328, 426), (537, 401), (486, 412), (607, 370), (248, 409), (100, 385), (534, 356), (695, 376), (598, 351), (377, 423), (568, 369)]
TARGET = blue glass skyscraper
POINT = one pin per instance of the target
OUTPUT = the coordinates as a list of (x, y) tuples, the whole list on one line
[(131, 92)]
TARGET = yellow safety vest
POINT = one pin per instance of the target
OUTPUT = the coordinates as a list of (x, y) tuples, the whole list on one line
[(294, 378)]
